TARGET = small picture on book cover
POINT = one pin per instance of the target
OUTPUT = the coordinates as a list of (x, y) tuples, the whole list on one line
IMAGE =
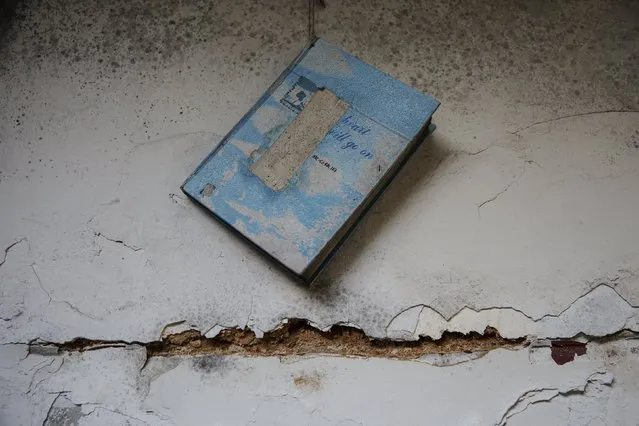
[(299, 95)]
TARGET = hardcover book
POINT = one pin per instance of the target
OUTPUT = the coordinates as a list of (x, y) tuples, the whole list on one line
[(296, 173)]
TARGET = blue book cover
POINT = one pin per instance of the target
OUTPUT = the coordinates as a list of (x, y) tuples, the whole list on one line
[(302, 166)]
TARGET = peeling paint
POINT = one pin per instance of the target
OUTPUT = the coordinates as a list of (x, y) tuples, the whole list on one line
[(116, 385), (63, 412), (106, 101), (614, 313), (563, 351), (296, 337), (535, 396)]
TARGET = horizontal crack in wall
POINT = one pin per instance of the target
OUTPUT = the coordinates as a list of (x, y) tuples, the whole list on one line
[(298, 337)]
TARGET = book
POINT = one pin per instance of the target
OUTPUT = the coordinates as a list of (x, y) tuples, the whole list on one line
[(298, 171)]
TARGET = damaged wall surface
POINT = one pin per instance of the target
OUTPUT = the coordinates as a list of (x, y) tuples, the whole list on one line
[(517, 216), (504, 387), (515, 202)]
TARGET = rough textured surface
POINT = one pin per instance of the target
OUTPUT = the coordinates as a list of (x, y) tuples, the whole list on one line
[(298, 338), (279, 163), (504, 387), (519, 213)]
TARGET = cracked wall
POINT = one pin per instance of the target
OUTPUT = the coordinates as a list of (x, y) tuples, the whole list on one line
[(600, 312), (297, 337), (115, 280), (528, 211), (523, 386), (517, 215)]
